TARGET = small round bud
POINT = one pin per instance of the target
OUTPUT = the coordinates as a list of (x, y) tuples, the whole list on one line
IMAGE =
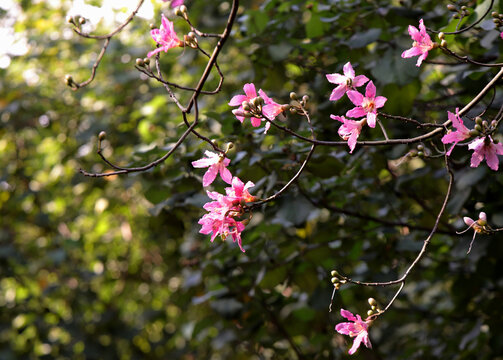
[(420, 153), (191, 35), (214, 142), (370, 313), (293, 96), (494, 14), (451, 7), (372, 302), (478, 120), (443, 43), (413, 153), (496, 141), (102, 136), (69, 19), (333, 273), (373, 307), (146, 60), (152, 26), (474, 132), (285, 107), (68, 80), (337, 286), (485, 124), (178, 12), (247, 114), (478, 127), (305, 98), (229, 146), (494, 123), (420, 147), (82, 21), (183, 9), (246, 106), (500, 16), (293, 110), (496, 21), (334, 280), (140, 62), (456, 16), (256, 101), (441, 36), (463, 8)]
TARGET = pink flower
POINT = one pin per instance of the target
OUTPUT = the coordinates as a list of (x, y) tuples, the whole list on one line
[(501, 35), (485, 148), (271, 109), (175, 3), (357, 328), (460, 134), (478, 226), (165, 36), (367, 105), (222, 212), (238, 100), (350, 130), (346, 82), (421, 45), (217, 164)]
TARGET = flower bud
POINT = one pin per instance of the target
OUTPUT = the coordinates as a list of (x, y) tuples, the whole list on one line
[(69, 20), (293, 96), (82, 21), (293, 110), (337, 286), (372, 302), (191, 35), (463, 8), (246, 106), (152, 26), (247, 114), (229, 146), (285, 107), (373, 307), (443, 43), (451, 7), (102, 136), (178, 12), (474, 132), (494, 14), (146, 61), (496, 21), (485, 124), (494, 123), (478, 127), (305, 98), (68, 80), (140, 62), (413, 153), (420, 147), (420, 153), (441, 36), (183, 9), (334, 280), (370, 313), (478, 120)]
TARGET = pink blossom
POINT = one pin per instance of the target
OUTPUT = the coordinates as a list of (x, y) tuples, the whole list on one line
[(346, 82), (501, 35), (165, 37), (271, 109), (216, 164), (460, 134), (485, 147), (175, 3), (350, 130), (366, 105), (357, 328), (478, 226), (421, 45), (238, 100), (222, 212)]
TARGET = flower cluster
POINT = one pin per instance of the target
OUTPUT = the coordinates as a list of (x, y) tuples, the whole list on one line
[(256, 107), (484, 147), (421, 45), (365, 105), (224, 211), (165, 36), (357, 328)]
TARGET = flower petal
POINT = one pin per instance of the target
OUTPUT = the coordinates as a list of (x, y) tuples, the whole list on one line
[(210, 175), (237, 100), (371, 119), (338, 92), (370, 90), (348, 70), (336, 78), (250, 90), (356, 112), (359, 80), (355, 97)]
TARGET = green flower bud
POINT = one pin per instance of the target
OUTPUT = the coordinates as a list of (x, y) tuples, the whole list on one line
[(334, 280), (372, 302), (334, 273), (140, 62), (178, 12), (443, 43), (451, 7), (68, 80), (293, 96), (146, 61), (69, 20), (474, 132), (494, 14), (285, 107), (102, 136), (485, 124), (183, 9), (494, 123), (420, 147), (441, 36), (478, 120), (478, 127), (370, 313), (420, 153)]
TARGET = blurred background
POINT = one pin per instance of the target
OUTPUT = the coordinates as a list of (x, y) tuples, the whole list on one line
[(114, 268)]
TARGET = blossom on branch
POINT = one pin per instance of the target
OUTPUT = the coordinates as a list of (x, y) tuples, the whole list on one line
[(346, 82), (165, 36), (357, 328), (238, 100), (479, 226), (366, 105), (215, 163), (461, 133), (350, 130), (485, 147), (223, 211), (421, 45)]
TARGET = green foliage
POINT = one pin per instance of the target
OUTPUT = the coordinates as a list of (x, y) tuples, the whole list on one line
[(115, 268)]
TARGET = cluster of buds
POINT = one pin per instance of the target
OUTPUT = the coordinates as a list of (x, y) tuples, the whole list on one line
[(145, 62), (497, 19), (181, 11), (443, 42), (483, 128), (337, 279), (76, 20), (253, 107), (418, 151), (459, 12), (374, 307), (296, 105), (479, 226), (190, 40)]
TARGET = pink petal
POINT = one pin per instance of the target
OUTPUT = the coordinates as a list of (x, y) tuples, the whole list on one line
[(499, 148), (348, 315), (477, 157), (256, 122), (370, 90), (356, 112), (421, 58), (250, 90), (366, 341), (414, 33), (237, 100), (210, 175), (380, 101), (202, 163), (225, 174), (360, 80), (352, 141), (342, 119), (338, 92), (336, 78), (422, 28), (356, 344), (343, 328), (468, 221), (476, 144), (355, 97), (371, 119), (413, 51), (153, 52), (272, 110), (491, 158), (348, 70)]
